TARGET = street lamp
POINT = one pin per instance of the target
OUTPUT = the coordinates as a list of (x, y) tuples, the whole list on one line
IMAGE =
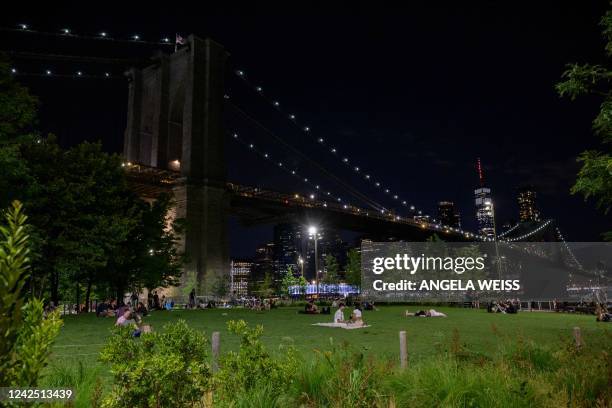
[(312, 231), (301, 262)]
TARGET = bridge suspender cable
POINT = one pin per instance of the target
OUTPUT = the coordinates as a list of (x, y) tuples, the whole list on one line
[(331, 149), (66, 33), (345, 186), (294, 173)]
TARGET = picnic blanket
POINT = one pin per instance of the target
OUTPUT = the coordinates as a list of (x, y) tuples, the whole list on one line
[(346, 326)]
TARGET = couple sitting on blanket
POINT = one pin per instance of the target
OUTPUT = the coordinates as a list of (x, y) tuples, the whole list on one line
[(355, 318)]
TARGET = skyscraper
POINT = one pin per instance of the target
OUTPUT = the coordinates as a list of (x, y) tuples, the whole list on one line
[(485, 211), (240, 275), (528, 211), (287, 247), (448, 215)]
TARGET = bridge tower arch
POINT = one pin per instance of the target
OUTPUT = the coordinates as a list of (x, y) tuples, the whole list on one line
[(175, 122)]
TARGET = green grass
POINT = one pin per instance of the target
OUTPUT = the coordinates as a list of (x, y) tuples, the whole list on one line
[(82, 337), (454, 359)]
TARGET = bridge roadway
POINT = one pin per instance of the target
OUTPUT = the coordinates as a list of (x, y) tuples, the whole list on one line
[(256, 206)]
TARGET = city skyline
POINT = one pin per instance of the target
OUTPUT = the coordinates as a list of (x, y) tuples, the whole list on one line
[(422, 142)]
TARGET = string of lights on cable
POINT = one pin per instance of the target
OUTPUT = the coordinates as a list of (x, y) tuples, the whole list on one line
[(568, 249), (66, 32), (326, 198), (345, 186), (48, 73), (306, 129), (320, 194), (335, 151)]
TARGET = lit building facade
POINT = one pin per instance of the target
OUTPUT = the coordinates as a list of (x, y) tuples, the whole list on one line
[(528, 210), (448, 215), (240, 273), (485, 210)]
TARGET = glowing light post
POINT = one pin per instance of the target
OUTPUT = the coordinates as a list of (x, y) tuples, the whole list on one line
[(301, 262), (312, 231)]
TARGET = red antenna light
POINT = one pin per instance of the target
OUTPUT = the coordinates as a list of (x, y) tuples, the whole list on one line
[(480, 173)]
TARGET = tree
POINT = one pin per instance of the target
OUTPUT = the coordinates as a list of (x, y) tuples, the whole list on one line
[(353, 267), (17, 107), (27, 336), (288, 281), (265, 287), (594, 180), (331, 270)]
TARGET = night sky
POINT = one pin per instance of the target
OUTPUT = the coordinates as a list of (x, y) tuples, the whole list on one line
[(414, 94)]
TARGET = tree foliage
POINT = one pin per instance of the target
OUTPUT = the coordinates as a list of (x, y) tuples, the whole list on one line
[(331, 270), (161, 369), (353, 267), (594, 180), (17, 107), (27, 335)]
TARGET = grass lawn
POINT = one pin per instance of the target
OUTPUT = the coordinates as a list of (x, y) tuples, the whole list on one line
[(74, 361), (82, 337)]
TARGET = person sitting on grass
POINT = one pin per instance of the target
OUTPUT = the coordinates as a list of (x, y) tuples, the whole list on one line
[(356, 316), (311, 308), (125, 319), (339, 315)]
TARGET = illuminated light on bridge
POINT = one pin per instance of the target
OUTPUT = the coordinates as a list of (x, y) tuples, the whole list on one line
[(251, 145), (23, 26), (48, 72), (259, 89), (356, 168), (377, 184), (240, 73), (136, 37), (345, 160), (66, 31), (106, 74), (306, 129), (292, 117), (103, 34), (367, 176), (165, 39), (320, 140), (276, 103), (235, 135), (79, 73)]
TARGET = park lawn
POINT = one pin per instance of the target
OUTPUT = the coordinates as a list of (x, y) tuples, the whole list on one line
[(82, 336), (74, 360)]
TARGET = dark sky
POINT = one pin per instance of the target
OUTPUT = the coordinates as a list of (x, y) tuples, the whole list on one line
[(413, 94)]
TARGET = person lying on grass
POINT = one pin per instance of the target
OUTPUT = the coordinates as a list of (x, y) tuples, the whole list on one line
[(428, 313)]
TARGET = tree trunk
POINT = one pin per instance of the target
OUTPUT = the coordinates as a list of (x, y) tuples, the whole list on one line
[(55, 287), (78, 296), (88, 294)]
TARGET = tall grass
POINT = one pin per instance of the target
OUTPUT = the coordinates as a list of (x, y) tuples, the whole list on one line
[(85, 381)]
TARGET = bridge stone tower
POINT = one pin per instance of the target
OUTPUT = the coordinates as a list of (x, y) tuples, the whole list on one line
[(175, 122)]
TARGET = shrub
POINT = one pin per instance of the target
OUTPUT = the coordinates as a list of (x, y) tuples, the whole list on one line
[(27, 335), (167, 369), (245, 372)]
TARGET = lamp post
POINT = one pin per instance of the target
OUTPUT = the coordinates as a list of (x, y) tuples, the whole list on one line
[(301, 262), (312, 231)]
